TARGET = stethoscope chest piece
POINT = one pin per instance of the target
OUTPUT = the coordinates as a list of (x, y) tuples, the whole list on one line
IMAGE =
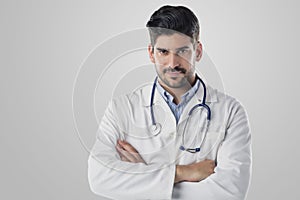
[(155, 129)]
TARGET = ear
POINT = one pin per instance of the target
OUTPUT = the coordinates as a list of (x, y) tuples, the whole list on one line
[(151, 53), (199, 51)]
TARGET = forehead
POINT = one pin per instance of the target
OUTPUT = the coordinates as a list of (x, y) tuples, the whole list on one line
[(173, 41)]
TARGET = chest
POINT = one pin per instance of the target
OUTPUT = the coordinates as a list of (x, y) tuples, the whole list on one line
[(193, 131)]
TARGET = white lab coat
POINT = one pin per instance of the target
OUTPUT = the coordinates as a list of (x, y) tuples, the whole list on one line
[(227, 141)]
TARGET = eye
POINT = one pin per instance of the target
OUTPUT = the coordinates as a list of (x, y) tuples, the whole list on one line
[(163, 51), (182, 51)]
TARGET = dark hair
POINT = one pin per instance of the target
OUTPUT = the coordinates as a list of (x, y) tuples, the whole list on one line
[(168, 19)]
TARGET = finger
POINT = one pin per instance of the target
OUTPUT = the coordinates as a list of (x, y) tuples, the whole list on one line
[(121, 154), (124, 159), (130, 157), (119, 150), (130, 152), (128, 147)]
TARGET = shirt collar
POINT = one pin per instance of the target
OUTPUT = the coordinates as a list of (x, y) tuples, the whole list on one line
[(185, 97), (145, 92)]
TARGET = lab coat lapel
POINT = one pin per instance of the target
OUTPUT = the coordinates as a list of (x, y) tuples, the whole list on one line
[(197, 99), (158, 100), (184, 115), (170, 118)]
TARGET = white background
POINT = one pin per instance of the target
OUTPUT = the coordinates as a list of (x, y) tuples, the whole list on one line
[(254, 44)]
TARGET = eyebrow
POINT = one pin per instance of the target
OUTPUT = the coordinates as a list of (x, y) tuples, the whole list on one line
[(178, 49), (182, 48)]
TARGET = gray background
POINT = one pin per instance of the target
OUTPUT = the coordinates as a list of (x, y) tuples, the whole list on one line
[(43, 43)]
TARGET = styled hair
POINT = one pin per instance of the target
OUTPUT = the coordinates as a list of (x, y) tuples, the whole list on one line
[(168, 20)]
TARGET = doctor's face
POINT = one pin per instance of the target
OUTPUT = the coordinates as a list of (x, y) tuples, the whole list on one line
[(174, 57)]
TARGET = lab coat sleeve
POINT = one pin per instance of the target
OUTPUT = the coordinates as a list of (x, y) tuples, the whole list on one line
[(110, 177), (233, 172)]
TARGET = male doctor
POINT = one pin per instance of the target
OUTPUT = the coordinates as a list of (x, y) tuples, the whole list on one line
[(178, 138)]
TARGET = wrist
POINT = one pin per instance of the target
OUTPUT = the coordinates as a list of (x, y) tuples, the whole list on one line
[(179, 174)]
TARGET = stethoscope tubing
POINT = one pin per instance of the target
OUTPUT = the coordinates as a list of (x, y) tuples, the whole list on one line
[(156, 127)]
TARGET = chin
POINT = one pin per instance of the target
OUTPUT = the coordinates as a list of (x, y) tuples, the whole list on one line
[(175, 82)]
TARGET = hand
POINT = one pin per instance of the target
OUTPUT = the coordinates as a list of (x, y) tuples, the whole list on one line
[(194, 172), (128, 153)]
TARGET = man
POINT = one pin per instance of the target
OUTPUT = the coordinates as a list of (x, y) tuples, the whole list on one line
[(177, 139)]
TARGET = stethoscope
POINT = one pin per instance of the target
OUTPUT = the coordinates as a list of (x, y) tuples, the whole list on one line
[(156, 127)]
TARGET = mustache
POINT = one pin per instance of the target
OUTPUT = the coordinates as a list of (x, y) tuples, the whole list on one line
[(175, 69)]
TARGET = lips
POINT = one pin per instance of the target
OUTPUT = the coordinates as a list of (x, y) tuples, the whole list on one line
[(176, 73)]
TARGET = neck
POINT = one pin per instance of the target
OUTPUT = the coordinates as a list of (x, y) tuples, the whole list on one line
[(178, 92)]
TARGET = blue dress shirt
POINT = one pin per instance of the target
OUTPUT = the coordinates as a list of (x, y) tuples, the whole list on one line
[(185, 98)]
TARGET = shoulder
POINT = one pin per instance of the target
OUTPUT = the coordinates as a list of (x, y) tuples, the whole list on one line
[(226, 106), (223, 98), (138, 97)]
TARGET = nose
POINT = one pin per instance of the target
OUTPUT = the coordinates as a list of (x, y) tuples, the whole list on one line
[(173, 60)]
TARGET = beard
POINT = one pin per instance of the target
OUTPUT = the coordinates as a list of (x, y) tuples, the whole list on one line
[(176, 81)]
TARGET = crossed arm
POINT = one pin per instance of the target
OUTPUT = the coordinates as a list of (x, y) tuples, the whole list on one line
[(191, 173), (231, 179)]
